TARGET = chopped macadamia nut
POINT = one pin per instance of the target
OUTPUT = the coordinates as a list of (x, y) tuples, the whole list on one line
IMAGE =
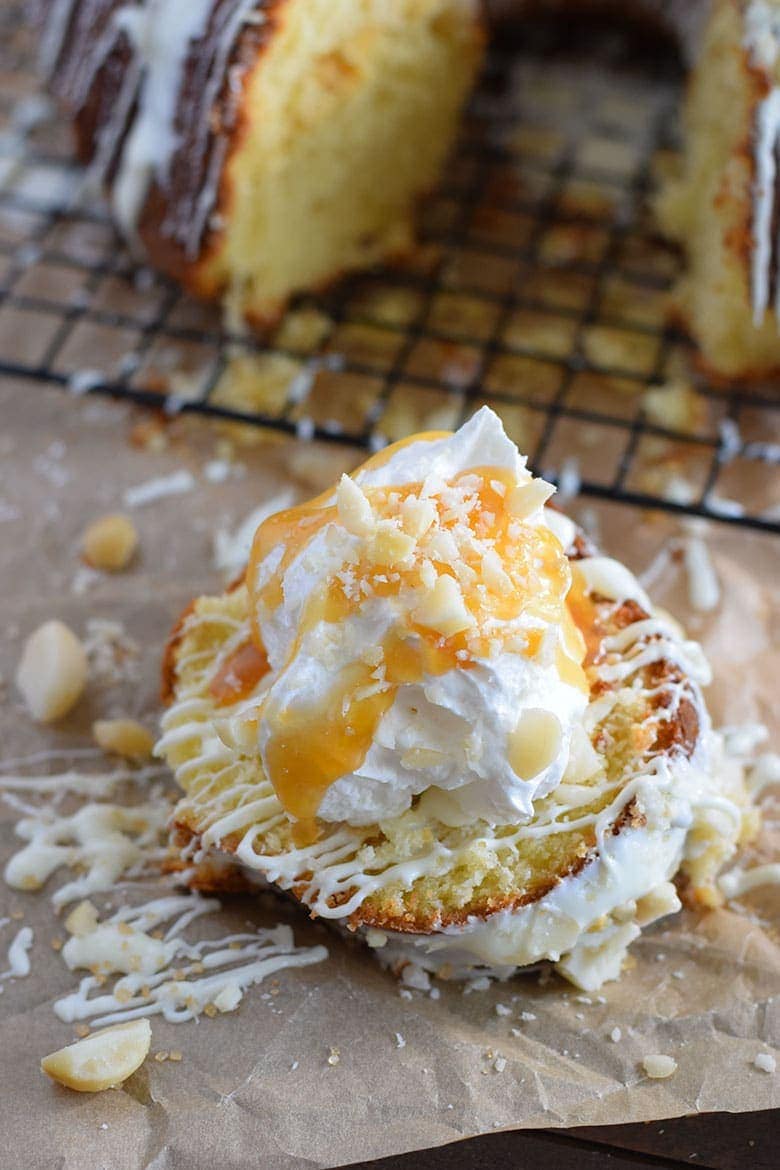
[(390, 546), (444, 609), (52, 671), (354, 509), (527, 498), (82, 919), (228, 999), (103, 1060), (109, 543), (535, 742), (417, 516), (659, 1067), (123, 737)]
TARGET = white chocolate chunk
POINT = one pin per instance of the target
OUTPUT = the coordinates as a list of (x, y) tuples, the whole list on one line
[(417, 515), (109, 543), (527, 498), (444, 609), (354, 508), (535, 742), (102, 1060), (52, 671), (390, 546), (494, 575), (82, 920), (228, 999), (124, 737), (659, 1067)]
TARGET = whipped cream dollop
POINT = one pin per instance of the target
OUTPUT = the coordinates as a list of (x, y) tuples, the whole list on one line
[(417, 636)]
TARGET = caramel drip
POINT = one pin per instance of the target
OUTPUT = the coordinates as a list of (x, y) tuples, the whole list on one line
[(239, 674), (582, 616), (310, 747)]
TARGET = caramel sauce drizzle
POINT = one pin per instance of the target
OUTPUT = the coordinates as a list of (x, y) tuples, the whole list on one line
[(239, 674), (310, 747)]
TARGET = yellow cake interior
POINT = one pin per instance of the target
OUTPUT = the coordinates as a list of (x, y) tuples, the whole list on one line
[(351, 109), (708, 205)]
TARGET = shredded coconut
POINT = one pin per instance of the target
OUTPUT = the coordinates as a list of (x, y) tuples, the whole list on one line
[(175, 484)]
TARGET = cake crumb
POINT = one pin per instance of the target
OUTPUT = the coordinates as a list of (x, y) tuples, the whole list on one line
[(503, 1010), (415, 976), (615, 1035), (399, 1041), (658, 1067), (765, 1062), (335, 1056), (499, 1064)]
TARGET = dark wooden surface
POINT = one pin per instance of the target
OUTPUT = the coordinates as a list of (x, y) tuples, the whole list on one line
[(719, 1141)]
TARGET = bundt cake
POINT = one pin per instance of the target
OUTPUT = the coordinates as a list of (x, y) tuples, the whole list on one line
[(436, 716), (255, 148), (723, 205)]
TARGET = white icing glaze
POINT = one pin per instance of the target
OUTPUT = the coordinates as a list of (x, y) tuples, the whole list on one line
[(169, 976), (762, 33), (610, 579), (160, 32), (18, 955), (73, 781), (764, 251), (106, 841), (703, 584), (140, 127), (53, 35), (740, 881)]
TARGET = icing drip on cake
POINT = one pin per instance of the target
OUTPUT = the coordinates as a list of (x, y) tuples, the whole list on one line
[(762, 42), (160, 32), (177, 84)]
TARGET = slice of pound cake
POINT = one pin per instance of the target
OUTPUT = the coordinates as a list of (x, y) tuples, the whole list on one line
[(724, 203), (256, 148), (434, 714)]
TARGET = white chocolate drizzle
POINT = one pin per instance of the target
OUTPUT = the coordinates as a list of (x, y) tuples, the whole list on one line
[(18, 955), (762, 33), (340, 870), (105, 842), (762, 43), (167, 975), (764, 253), (740, 881), (140, 132), (160, 33)]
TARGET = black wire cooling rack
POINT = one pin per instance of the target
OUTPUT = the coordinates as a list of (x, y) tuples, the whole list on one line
[(540, 288)]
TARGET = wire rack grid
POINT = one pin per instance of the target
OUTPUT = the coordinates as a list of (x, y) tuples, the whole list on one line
[(540, 287)]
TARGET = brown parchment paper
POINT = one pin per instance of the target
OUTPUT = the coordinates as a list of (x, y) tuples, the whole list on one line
[(704, 990)]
